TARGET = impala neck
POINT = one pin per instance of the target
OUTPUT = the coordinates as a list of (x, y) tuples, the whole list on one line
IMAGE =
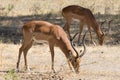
[(97, 29), (66, 47)]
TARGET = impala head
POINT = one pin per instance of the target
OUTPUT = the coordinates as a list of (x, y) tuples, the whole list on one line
[(75, 61), (101, 39)]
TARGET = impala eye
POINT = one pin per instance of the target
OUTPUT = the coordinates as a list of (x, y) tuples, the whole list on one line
[(75, 60)]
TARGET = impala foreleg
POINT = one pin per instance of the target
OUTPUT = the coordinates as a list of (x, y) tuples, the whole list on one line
[(81, 29), (51, 46), (91, 36)]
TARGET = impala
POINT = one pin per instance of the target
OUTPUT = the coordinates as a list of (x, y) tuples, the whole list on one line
[(55, 35), (85, 17)]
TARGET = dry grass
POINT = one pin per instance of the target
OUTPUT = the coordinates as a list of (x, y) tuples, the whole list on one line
[(99, 63), (33, 7)]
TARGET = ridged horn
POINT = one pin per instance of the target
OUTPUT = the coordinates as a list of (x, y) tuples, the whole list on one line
[(84, 45)]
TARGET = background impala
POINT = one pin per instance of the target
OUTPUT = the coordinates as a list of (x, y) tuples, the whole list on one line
[(85, 17)]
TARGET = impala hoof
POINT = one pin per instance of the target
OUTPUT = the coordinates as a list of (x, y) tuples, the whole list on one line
[(17, 70), (53, 71), (27, 68)]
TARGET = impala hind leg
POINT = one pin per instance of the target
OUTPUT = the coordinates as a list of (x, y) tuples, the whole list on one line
[(27, 43), (19, 56), (25, 51), (24, 48), (67, 27)]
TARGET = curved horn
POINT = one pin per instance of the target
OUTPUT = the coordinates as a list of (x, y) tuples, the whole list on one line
[(83, 41), (74, 36), (72, 44)]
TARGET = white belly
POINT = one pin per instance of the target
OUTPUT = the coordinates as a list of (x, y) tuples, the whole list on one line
[(39, 41), (75, 19), (40, 37)]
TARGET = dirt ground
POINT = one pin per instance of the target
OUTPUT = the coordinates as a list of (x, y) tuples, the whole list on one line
[(99, 63)]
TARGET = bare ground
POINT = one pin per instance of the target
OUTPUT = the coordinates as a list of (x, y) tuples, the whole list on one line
[(99, 63)]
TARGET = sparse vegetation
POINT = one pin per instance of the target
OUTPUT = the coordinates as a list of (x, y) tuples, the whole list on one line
[(11, 75)]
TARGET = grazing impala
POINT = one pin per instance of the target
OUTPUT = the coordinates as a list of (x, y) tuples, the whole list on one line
[(86, 17), (55, 35)]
